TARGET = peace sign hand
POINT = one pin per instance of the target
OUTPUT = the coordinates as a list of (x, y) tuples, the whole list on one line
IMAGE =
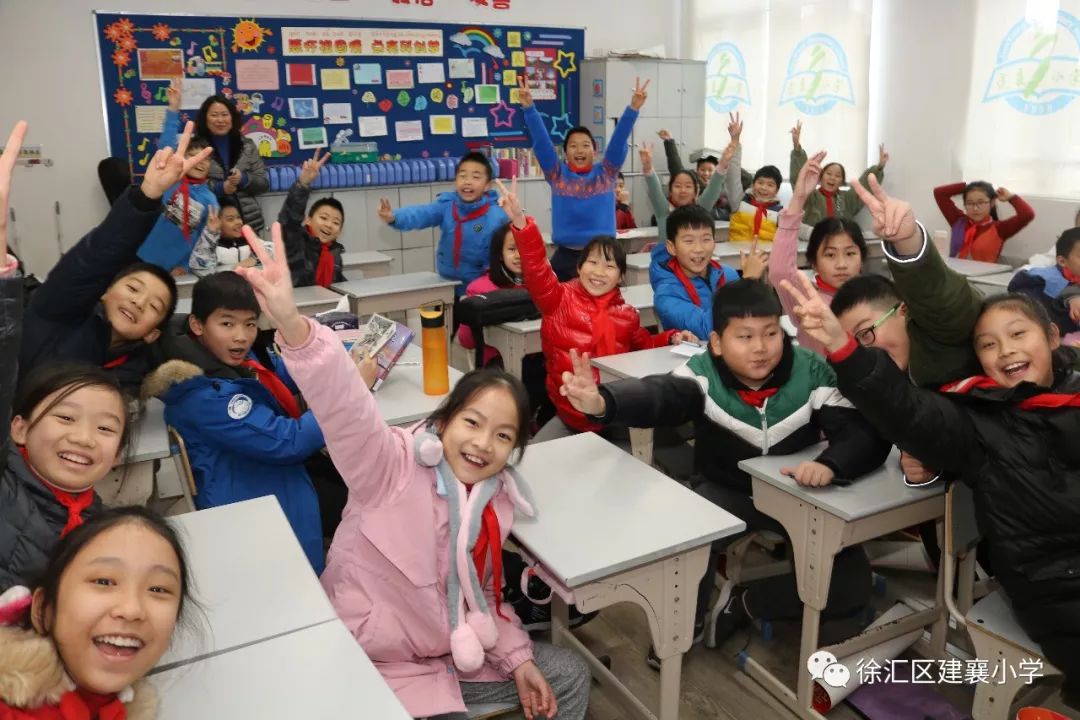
[(814, 315), (645, 152), (524, 93), (311, 167), (173, 93), (580, 388), (734, 127), (639, 96), (386, 213), (213, 220), (508, 201), (883, 156), (7, 166), (796, 134), (167, 167), (272, 284), (807, 181), (753, 263), (893, 219)]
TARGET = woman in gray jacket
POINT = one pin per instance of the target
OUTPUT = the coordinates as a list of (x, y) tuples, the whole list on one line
[(236, 170)]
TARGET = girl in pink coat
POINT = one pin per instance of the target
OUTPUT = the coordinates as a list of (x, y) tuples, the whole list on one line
[(415, 567)]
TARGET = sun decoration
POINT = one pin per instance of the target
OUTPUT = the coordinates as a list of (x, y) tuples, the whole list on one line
[(122, 96), (247, 36), (161, 32), (121, 58)]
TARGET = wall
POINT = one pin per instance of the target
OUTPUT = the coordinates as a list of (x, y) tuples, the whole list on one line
[(47, 48)]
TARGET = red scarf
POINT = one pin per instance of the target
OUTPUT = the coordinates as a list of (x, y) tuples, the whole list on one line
[(73, 705), (490, 538), (757, 398), (760, 215), (116, 362), (685, 280), (830, 207), (824, 286), (1042, 400), (74, 502), (324, 269), (969, 236), (1068, 275), (603, 328), (580, 169), (460, 221), (277, 388), (185, 192)]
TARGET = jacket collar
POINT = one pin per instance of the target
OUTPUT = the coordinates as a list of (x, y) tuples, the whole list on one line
[(616, 294), (488, 198)]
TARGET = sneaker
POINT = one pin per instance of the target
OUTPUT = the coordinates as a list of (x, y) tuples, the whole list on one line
[(535, 618), (653, 661)]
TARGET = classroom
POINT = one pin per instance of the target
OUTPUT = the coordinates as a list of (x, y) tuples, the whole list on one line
[(468, 359)]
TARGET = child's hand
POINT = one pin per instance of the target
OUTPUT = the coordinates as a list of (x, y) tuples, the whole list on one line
[(664, 135), (7, 166), (273, 286), (1004, 195), (684, 336), (369, 370), (1074, 309), (893, 219), (796, 134), (638, 98), (814, 315), (734, 127), (882, 156), (810, 474), (645, 153), (213, 221), (310, 169), (727, 156), (167, 166), (508, 201), (915, 472), (580, 388), (386, 213), (753, 263), (178, 272), (524, 93), (807, 181), (537, 697), (173, 93), (232, 183)]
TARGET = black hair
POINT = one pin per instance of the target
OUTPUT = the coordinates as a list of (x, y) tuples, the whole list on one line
[(687, 173), (1023, 304), (872, 289), (201, 126), (328, 202), (579, 130), (1067, 241), (770, 172), (474, 157), (65, 379), (611, 249), (707, 159), (198, 142), (983, 187), (475, 381), (496, 269), (691, 216), (843, 172), (223, 290), (830, 228), (742, 299), (623, 177), (75, 541), (229, 201), (161, 274)]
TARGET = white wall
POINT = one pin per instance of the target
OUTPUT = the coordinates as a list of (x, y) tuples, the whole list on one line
[(51, 79)]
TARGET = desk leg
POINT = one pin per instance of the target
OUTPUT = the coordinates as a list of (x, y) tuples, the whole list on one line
[(128, 484), (641, 444), (517, 355)]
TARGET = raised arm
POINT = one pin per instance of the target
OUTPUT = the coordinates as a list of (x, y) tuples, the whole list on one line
[(733, 176), (852, 203), (710, 194), (170, 129), (540, 280), (784, 260), (671, 151), (653, 188), (943, 196), (619, 142), (203, 260), (11, 294), (1024, 214), (538, 132)]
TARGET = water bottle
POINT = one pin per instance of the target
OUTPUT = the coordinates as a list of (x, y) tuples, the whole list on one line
[(433, 344)]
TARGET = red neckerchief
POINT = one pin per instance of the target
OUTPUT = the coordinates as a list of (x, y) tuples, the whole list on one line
[(824, 286), (603, 328), (324, 268), (116, 362), (460, 221), (757, 398), (830, 207), (685, 280), (277, 388), (580, 169), (490, 537), (74, 502), (1042, 400), (1068, 275), (969, 236), (185, 192), (74, 705), (759, 216)]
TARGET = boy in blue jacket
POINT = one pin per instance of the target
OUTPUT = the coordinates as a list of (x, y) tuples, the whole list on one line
[(467, 217), (582, 193), (240, 420), (1057, 288)]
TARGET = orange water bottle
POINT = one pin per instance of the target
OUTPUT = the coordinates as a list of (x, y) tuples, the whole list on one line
[(433, 343)]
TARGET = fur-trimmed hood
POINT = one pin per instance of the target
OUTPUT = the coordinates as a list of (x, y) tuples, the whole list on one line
[(32, 676), (169, 373)]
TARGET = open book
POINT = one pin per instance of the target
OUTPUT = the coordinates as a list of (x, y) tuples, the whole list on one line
[(381, 337)]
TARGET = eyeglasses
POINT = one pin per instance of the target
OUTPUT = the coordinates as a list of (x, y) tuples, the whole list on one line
[(977, 204), (866, 336)]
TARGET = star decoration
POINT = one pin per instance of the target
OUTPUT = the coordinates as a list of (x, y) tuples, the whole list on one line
[(556, 121), (558, 64), (503, 114)]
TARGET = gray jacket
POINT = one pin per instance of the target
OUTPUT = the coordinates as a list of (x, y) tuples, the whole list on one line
[(256, 181)]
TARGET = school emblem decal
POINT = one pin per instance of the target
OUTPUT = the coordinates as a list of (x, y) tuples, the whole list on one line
[(239, 406), (1037, 69), (726, 86), (817, 76)]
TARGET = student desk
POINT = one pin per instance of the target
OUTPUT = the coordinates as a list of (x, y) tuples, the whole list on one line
[(185, 284), (250, 577), (641, 297), (637, 268), (975, 268), (310, 300), (371, 264), (821, 522), (401, 397), (319, 672), (611, 529), (133, 482), (996, 284), (397, 293)]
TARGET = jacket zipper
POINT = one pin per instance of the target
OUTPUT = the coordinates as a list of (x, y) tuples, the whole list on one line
[(764, 428)]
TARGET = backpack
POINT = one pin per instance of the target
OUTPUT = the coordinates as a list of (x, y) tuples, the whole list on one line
[(493, 308)]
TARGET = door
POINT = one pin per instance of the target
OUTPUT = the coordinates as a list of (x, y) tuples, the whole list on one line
[(668, 93)]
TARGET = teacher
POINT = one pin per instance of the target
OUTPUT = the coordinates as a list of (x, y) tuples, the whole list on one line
[(236, 169)]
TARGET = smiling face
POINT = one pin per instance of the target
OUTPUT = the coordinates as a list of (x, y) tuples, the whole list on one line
[(683, 190), (135, 305), (764, 189), (76, 443), (478, 439), (231, 223), (751, 347), (977, 205), (580, 151), (228, 334), (471, 180), (891, 336), (692, 249), (511, 258), (219, 119), (1012, 348), (599, 275), (325, 223), (1071, 262), (200, 169), (116, 608), (705, 170), (832, 177), (838, 260)]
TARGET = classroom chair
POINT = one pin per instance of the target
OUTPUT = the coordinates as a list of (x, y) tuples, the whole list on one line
[(484, 711), (995, 634), (735, 574), (183, 470)]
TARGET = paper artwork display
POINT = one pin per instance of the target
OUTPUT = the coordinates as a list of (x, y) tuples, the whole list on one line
[(334, 78), (474, 127), (257, 75), (303, 108), (408, 130), (299, 74), (462, 68), (367, 74), (160, 63), (399, 79), (372, 125), (337, 113), (312, 137)]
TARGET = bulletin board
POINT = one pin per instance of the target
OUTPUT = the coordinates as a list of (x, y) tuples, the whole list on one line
[(417, 90)]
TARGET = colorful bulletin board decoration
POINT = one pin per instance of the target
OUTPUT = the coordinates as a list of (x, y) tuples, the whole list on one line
[(415, 89)]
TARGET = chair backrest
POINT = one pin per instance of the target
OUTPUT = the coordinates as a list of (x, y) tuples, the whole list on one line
[(961, 537), (181, 451)]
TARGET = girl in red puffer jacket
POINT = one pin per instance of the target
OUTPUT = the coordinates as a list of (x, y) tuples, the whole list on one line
[(587, 314)]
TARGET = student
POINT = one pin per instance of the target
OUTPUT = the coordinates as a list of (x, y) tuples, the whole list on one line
[(704, 167), (504, 272), (1057, 288), (836, 250), (103, 615), (977, 234), (222, 246), (753, 214), (1004, 432), (624, 214), (311, 237), (753, 393), (467, 217), (830, 201), (587, 313), (96, 305), (244, 432), (582, 191), (188, 203), (426, 607), (682, 186)]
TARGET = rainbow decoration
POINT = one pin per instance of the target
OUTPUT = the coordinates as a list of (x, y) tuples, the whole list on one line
[(481, 35)]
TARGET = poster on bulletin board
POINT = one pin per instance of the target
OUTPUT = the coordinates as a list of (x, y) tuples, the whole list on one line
[(416, 90)]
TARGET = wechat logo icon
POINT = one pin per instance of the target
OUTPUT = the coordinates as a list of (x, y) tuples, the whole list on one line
[(822, 666)]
